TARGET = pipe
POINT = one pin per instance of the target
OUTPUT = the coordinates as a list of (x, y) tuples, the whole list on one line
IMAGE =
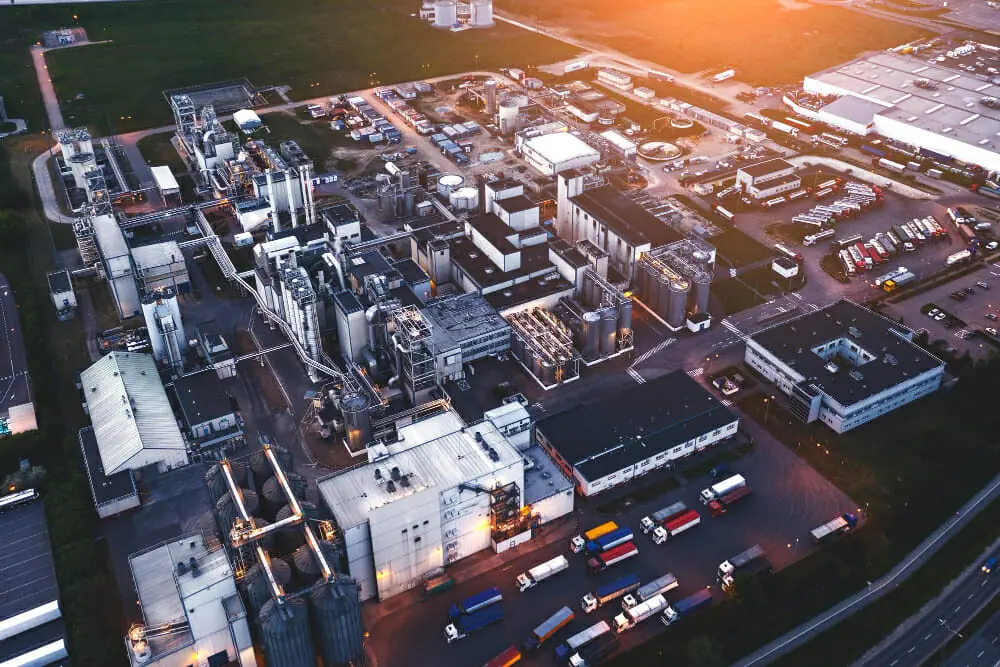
[(291, 198), (271, 199)]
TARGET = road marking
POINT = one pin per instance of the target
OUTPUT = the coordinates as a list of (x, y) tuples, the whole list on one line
[(648, 353), (732, 327), (982, 584), (971, 595), (797, 295), (893, 663), (726, 402), (912, 649), (994, 641), (957, 608), (980, 654), (635, 376), (696, 372), (927, 636)]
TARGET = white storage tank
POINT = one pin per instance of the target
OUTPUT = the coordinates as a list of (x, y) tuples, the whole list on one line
[(464, 199), (445, 13), (448, 183), (481, 13)]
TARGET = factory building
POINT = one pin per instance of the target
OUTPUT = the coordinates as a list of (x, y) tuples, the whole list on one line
[(464, 328), (162, 314), (920, 104), (622, 437), (61, 292), (159, 266), (615, 79), (767, 179), (116, 264), (342, 222), (213, 349), (205, 139), (166, 184), (553, 153), (620, 146), (190, 607), (443, 492), (844, 365), (300, 308), (208, 415)]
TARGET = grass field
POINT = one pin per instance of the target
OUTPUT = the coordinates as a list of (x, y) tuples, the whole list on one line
[(318, 47), (766, 41)]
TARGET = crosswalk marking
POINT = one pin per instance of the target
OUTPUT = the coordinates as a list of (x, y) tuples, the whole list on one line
[(726, 402), (732, 327), (696, 372), (655, 349), (634, 374)]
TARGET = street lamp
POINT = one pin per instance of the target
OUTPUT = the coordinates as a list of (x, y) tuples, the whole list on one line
[(767, 407)]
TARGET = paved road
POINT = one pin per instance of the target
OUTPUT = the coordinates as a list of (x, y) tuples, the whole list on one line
[(15, 385), (981, 649)]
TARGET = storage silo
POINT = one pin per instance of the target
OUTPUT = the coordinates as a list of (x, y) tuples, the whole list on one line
[(624, 318), (490, 93), (215, 479), (261, 467), (448, 183), (445, 13), (257, 585), (227, 511), (287, 540), (609, 331), (273, 495), (357, 420), (517, 347), (285, 634), (547, 373), (677, 307), (509, 112), (335, 610), (663, 292), (481, 13), (464, 199), (701, 283), (590, 344), (307, 568)]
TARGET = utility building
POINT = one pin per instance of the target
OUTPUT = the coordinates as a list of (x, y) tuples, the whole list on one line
[(767, 179), (161, 265), (559, 151)]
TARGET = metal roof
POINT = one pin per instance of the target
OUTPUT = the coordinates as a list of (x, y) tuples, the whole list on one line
[(129, 408), (165, 178), (157, 254), (561, 146)]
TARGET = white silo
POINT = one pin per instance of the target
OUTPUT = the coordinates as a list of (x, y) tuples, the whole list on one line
[(481, 13), (490, 93), (510, 110), (445, 13), (464, 199)]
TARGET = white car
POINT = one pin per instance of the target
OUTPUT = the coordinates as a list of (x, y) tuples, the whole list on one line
[(991, 331), (992, 245), (933, 312), (939, 317)]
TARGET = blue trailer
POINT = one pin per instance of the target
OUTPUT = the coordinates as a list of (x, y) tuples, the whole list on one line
[(940, 157), (610, 540), (469, 623), (871, 150), (988, 191), (688, 605), (475, 602)]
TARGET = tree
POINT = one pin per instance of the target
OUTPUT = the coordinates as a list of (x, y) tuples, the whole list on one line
[(704, 651), (748, 592)]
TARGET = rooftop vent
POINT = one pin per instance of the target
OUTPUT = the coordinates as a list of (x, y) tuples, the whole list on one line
[(390, 486), (378, 475), (404, 482), (395, 473)]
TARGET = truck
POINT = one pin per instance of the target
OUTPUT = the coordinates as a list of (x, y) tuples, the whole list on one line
[(811, 239), (785, 128), (722, 76), (613, 556), (725, 213), (790, 254), (595, 652), (609, 541), (510, 656), (465, 625), (660, 76), (540, 573), (657, 518), (659, 586), (753, 561), (893, 284), (630, 618), (890, 165), (577, 544), (580, 639), (475, 602), (871, 150), (833, 528), (722, 505), (437, 584), (688, 605), (720, 489), (960, 256), (548, 628), (609, 592), (676, 526), (988, 191)]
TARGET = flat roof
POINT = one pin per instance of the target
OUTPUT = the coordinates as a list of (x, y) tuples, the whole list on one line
[(854, 109), (457, 319), (569, 254), (622, 429), (766, 167), (202, 398), (59, 281), (561, 146), (164, 178), (340, 214), (27, 571), (626, 218), (618, 140), (529, 290), (543, 479), (155, 255), (516, 204), (895, 359), (472, 261), (348, 302), (494, 230), (410, 271), (103, 488)]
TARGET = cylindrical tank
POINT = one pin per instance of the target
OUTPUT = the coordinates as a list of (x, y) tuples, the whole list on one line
[(678, 303), (624, 318), (445, 13), (287, 540), (647, 285), (547, 373), (490, 93), (591, 293), (261, 467), (517, 347), (510, 109), (216, 480), (448, 183), (258, 587), (227, 511), (609, 331), (701, 284), (662, 294), (357, 421), (285, 634), (464, 199), (536, 365), (481, 13), (591, 344), (306, 565), (335, 610), (273, 495), (409, 204)]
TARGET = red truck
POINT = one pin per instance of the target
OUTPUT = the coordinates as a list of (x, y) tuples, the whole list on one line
[(721, 506), (613, 556)]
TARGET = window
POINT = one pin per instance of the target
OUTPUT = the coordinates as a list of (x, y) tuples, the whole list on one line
[(426, 521), (416, 540)]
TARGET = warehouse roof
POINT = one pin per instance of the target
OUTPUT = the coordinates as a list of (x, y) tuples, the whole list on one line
[(855, 109), (494, 230), (624, 217), (889, 357), (622, 429), (59, 281), (103, 488), (543, 479), (516, 204), (165, 180), (129, 408), (27, 572), (561, 146), (766, 167), (202, 398), (157, 254), (457, 319)]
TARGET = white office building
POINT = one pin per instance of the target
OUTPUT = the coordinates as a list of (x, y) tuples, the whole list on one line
[(559, 151), (768, 179)]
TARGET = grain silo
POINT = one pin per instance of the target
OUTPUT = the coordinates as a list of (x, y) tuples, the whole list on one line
[(227, 510), (335, 610), (258, 586), (215, 479), (490, 94), (285, 634), (590, 336), (609, 331), (307, 567), (290, 538), (624, 318), (357, 420), (272, 495)]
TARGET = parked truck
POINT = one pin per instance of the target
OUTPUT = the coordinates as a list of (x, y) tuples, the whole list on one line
[(752, 561), (580, 541), (465, 625), (657, 518), (581, 639), (716, 491), (595, 652), (832, 529), (688, 605), (613, 556), (475, 602), (676, 526), (722, 505), (609, 541), (437, 584), (632, 617), (511, 656), (548, 628), (540, 573), (609, 592), (660, 586)]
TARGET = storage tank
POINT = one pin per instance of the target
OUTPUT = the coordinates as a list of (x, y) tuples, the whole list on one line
[(624, 318), (701, 284), (591, 334), (464, 199), (517, 347), (547, 373), (261, 467), (273, 495), (609, 331), (490, 93), (306, 565), (357, 420), (227, 511), (448, 183), (285, 634), (335, 611), (258, 587), (445, 13), (287, 540), (510, 109), (677, 306), (215, 479), (481, 13), (663, 292)]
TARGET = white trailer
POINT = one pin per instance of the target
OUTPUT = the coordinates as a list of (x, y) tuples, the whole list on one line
[(660, 586), (716, 491), (540, 573), (639, 613)]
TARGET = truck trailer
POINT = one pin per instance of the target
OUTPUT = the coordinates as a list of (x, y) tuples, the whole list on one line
[(465, 625), (722, 505), (609, 541), (548, 628), (720, 489), (659, 586), (677, 525), (613, 556), (580, 541), (581, 639), (657, 518), (540, 573), (632, 617), (595, 652), (832, 529), (475, 602), (511, 656), (608, 592), (752, 561), (687, 606)]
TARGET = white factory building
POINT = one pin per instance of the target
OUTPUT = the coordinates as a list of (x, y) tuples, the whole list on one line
[(768, 179), (559, 151), (159, 266), (844, 365), (419, 504), (909, 100)]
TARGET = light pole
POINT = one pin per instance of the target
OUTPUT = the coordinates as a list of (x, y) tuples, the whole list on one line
[(767, 407), (944, 624)]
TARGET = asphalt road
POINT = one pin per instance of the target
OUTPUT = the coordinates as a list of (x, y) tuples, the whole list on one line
[(981, 649), (15, 387)]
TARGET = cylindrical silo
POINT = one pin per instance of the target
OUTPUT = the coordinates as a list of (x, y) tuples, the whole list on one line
[(445, 13), (464, 199), (481, 13), (536, 365), (216, 480), (258, 587), (261, 466), (547, 373), (591, 344), (307, 567), (490, 93), (701, 283), (609, 331), (510, 109), (285, 634), (624, 318), (335, 610), (663, 292), (227, 512), (357, 420), (678, 303), (641, 280), (517, 347), (287, 540), (448, 183), (591, 293), (273, 496)]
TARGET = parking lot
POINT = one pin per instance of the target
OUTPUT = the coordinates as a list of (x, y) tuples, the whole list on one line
[(789, 500)]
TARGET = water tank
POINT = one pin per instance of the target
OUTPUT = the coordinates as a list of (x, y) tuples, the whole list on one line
[(257, 585), (609, 331), (591, 333), (215, 479), (701, 284), (285, 634), (481, 13), (510, 109), (335, 610), (357, 420), (490, 93), (445, 13), (624, 318), (448, 183), (591, 293), (287, 540), (464, 199), (677, 307)]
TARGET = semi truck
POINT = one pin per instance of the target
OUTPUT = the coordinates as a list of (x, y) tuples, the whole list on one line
[(548, 628), (595, 652), (960, 256), (540, 573), (811, 239), (785, 128), (511, 656), (609, 592), (465, 625), (613, 556), (676, 526), (832, 529), (687, 606), (752, 561), (475, 602), (657, 518), (609, 541), (577, 544), (632, 617), (720, 489), (894, 167), (722, 505), (660, 586), (894, 284), (581, 639)]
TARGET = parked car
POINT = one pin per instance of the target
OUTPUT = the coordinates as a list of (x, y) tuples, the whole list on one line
[(983, 284), (932, 313), (939, 317), (991, 316), (991, 331), (968, 290)]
